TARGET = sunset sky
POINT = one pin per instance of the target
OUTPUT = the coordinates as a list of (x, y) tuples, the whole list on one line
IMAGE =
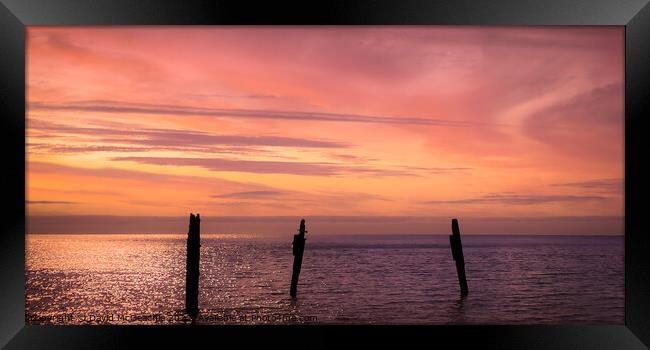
[(371, 121)]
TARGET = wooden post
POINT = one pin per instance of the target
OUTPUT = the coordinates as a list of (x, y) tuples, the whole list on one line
[(298, 249), (192, 271), (457, 253)]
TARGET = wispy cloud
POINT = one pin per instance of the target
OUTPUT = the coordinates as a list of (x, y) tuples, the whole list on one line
[(226, 96), (250, 166), (60, 148), (49, 202), (575, 123), (177, 138), (162, 109), (251, 194), (351, 158), (609, 185), (518, 199), (281, 167)]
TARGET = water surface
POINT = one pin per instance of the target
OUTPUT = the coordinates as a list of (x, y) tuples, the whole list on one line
[(381, 279)]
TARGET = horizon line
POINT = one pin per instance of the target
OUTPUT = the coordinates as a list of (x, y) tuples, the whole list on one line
[(330, 216), (345, 234)]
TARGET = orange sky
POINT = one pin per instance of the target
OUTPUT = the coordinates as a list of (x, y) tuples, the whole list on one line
[(405, 121)]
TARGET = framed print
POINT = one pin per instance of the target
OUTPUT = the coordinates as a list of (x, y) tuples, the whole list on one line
[(453, 173)]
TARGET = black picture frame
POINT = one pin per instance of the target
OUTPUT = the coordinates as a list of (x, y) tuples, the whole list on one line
[(15, 15)]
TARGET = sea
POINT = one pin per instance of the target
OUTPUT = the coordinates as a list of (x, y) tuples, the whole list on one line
[(98, 279)]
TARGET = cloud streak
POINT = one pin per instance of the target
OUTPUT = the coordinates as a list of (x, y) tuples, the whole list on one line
[(49, 202), (250, 194), (518, 199), (102, 106), (609, 185), (179, 138), (281, 167), (249, 166)]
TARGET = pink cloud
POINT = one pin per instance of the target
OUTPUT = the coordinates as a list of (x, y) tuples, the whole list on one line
[(404, 113)]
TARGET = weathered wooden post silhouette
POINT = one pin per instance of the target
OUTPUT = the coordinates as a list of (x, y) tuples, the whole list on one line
[(457, 253), (298, 249), (192, 271)]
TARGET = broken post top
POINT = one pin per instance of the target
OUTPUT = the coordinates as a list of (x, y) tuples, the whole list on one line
[(299, 239), (195, 221), (302, 227), (195, 217), (454, 227)]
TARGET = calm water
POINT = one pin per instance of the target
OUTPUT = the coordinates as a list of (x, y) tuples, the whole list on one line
[(140, 279)]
